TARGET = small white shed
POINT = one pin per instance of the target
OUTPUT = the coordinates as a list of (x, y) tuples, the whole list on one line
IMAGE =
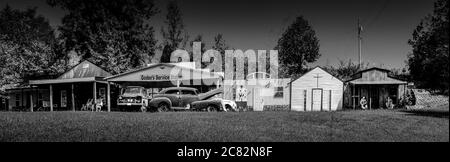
[(317, 90)]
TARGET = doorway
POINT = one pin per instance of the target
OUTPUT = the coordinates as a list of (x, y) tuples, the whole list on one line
[(258, 101), (316, 101), (374, 97)]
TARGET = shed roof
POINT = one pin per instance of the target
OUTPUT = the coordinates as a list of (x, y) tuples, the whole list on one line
[(374, 76)]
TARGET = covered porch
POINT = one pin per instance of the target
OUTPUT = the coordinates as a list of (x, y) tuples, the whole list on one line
[(376, 94), (377, 86), (70, 94)]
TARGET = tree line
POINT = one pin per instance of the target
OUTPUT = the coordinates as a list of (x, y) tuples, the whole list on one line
[(117, 36)]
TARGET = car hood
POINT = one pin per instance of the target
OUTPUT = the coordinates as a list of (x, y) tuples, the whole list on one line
[(206, 95), (130, 95)]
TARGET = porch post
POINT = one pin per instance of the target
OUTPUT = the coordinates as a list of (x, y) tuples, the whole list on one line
[(217, 84), (95, 92), (51, 97), (73, 97), (37, 96), (31, 99), (22, 105), (108, 96), (353, 96), (369, 91)]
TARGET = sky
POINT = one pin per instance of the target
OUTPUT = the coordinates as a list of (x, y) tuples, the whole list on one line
[(258, 24)]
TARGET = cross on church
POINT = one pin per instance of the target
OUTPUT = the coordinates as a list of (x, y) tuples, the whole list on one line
[(317, 77)]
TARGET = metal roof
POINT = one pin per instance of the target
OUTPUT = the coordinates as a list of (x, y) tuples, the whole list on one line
[(85, 71), (161, 64), (374, 79)]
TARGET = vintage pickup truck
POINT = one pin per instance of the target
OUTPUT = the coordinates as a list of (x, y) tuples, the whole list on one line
[(133, 98), (185, 98)]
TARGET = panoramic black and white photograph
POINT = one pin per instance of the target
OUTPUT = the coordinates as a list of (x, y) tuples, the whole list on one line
[(224, 71)]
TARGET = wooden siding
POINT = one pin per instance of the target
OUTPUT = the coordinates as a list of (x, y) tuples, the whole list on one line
[(24, 97), (375, 76), (303, 87), (376, 85), (270, 99)]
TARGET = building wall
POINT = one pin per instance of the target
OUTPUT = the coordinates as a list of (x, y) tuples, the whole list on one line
[(262, 91), (277, 93), (302, 91), (364, 84), (19, 98), (364, 91), (374, 75), (82, 91)]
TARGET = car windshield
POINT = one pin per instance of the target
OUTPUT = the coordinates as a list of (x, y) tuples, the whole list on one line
[(132, 90)]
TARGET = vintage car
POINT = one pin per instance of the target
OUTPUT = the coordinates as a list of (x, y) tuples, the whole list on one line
[(179, 98), (214, 104), (133, 98)]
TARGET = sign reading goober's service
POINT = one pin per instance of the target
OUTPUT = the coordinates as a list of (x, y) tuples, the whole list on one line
[(155, 77)]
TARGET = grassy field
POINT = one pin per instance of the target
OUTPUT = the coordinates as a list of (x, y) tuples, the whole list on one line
[(381, 125)]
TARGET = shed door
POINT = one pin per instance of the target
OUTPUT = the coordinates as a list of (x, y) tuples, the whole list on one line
[(258, 102), (316, 100)]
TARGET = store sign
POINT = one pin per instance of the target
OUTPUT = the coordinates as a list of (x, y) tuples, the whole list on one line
[(155, 77)]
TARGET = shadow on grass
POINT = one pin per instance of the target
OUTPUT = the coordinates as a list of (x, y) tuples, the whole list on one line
[(430, 113)]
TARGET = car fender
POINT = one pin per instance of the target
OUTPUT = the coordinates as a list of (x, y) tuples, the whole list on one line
[(205, 103), (156, 101)]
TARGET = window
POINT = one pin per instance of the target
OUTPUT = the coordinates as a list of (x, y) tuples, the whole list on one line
[(132, 90), (187, 92), (17, 97), (63, 98), (278, 93), (153, 91), (174, 91), (234, 93), (40, 98), (304, 99)]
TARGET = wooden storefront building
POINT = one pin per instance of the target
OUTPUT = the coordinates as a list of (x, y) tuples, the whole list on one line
[(72, 89), (376, 85)]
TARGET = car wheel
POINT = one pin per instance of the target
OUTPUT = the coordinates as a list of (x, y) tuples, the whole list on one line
[(212, 108), (163, 107)]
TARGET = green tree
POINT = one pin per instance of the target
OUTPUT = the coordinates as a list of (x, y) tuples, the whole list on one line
[(198, 38), (344, 70), (220, 45), (429, 61), (28, 47), (115, 35), (297, 46), (174, 36)]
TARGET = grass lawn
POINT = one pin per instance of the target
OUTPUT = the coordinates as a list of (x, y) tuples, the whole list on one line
[(381, 125)]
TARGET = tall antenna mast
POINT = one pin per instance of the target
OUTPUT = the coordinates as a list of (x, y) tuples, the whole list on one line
[(359, 43)]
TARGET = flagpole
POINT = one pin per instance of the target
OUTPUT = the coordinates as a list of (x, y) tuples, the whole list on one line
[(359, 44)]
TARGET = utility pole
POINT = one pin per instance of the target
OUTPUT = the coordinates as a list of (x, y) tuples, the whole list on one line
[(359, 43)]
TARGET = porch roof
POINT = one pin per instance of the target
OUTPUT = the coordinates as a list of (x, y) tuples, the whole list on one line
[(377, 82), (375, 76), (71, 80)]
